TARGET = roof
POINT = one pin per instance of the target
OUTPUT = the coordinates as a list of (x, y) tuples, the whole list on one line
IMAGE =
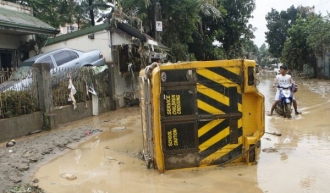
[(125, 31), (15, 21), (78, 33)]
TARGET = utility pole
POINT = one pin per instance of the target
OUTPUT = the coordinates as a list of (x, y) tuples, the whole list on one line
[(156, 18), (91, 12)]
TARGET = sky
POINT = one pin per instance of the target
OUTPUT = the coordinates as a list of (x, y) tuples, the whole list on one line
[(265, 6)]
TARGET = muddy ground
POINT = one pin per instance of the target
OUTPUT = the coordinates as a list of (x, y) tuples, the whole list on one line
[(107, 159), (30, 152)]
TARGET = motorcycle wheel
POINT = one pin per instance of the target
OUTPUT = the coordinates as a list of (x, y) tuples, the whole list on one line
[(288, 110)]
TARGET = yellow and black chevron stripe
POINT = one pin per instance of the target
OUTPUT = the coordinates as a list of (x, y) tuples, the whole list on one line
[(219, 93)]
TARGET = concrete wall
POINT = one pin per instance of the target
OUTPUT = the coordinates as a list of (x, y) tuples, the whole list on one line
[(125, 82), (9, 41), (19, 126), (101, 42), (67, 114), (16, 127), (13, 41)]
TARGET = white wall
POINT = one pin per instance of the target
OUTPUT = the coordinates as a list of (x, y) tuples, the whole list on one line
[(101, 41), (9, 41)]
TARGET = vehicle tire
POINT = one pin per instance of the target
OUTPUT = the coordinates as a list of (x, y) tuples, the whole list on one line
[(288, 110), (279, 109)]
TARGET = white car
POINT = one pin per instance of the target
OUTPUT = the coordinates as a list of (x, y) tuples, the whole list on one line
[(62, 58)]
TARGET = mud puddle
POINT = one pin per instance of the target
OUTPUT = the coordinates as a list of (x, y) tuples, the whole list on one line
[(110, 162)]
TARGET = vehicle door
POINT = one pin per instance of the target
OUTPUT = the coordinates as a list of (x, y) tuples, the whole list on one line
[(65, 61)]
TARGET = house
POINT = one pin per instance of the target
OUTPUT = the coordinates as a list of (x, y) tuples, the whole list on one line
[(125, 48), (17, 25)]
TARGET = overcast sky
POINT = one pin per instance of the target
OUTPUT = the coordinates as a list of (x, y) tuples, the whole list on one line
[(265, 6)]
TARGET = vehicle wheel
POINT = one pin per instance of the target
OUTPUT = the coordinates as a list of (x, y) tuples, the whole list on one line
[(279, 109), (288, 110)]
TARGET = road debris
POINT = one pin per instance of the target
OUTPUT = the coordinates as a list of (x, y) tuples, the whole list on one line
[(274, 133), (270, 150), (69, 176)]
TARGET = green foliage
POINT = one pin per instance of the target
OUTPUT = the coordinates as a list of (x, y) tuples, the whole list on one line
[(319, 35), (235, 30), (278, 24), (297, 51), (191, 26)]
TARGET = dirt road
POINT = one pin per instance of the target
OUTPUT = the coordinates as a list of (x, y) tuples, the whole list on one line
[(108, 162)]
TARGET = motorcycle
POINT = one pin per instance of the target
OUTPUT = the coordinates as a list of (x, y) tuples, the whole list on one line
[(283, 107)]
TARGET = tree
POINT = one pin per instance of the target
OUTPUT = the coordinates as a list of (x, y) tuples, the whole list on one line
[(278, 24), (297, 51), (234, 32), (193, 25)]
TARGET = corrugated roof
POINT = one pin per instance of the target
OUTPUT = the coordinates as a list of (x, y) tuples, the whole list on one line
[(22, 21)]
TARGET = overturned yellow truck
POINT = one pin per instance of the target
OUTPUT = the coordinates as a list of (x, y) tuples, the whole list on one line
[(200, 113)]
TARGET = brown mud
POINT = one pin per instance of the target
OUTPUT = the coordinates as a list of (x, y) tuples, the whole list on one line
[(296, 161)]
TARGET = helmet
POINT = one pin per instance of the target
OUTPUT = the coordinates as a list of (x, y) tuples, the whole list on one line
[(284, 67)]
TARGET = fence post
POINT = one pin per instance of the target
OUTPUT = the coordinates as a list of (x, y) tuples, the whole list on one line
[(45, 95), (44, 87), (114, 104)]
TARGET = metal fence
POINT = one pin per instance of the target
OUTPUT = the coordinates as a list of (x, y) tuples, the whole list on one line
[(82, 83), (5, 73), (18, 92)]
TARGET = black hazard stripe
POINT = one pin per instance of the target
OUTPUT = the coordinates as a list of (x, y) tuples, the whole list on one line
[(234, 100), (218, 145), (233, 153), (226, 73), (219, 88)]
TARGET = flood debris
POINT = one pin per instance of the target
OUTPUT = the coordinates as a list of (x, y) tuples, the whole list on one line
[(270, 150), (11, 143), (27, 188), (35, 180), (69, 176), (34, 132), (111, 159), (274, 133), (131, 99), (118, 128)]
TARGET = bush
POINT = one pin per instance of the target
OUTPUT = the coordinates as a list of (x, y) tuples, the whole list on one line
[(15, 103)]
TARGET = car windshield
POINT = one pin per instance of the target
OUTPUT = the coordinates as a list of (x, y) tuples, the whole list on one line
[(21, 73), (29, 63)]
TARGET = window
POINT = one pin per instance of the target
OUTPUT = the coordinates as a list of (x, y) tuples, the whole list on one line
[(48, 60), (62, 58), (70, 29), (74, 55)]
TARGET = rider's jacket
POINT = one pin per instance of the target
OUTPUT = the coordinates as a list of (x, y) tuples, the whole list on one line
[(283, 81)]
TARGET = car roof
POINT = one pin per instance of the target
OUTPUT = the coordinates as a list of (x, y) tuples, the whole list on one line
[(33, 58)]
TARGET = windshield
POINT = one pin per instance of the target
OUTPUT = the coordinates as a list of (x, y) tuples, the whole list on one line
[(29, 63), (21, 73)]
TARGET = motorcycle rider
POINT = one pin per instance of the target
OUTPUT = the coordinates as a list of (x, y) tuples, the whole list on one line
[(283, 79)]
